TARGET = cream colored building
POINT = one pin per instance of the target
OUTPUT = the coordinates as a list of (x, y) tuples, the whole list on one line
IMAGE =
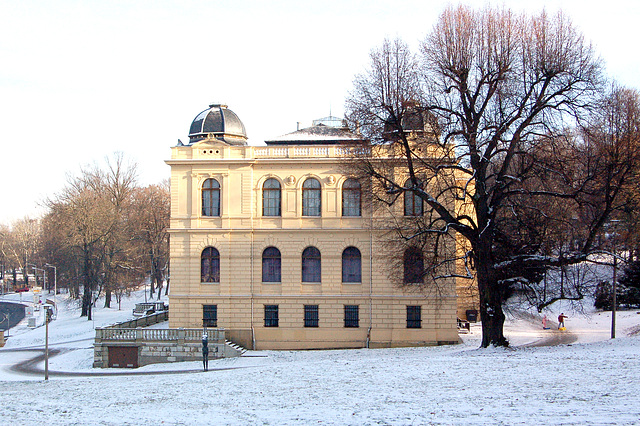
[(272, 243)]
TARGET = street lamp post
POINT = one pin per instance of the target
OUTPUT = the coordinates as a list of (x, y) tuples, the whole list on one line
[(46, 345), (27, 276), (35, 271), (35, 274), (55, 286), (614, 226), (613, 297), (47, 319)]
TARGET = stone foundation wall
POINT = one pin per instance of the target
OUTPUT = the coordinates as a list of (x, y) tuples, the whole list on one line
[(177, 346)]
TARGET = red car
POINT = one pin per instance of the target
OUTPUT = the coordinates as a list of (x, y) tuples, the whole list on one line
[(22, 289)]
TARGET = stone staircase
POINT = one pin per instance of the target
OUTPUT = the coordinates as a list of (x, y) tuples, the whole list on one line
[(235, 346)]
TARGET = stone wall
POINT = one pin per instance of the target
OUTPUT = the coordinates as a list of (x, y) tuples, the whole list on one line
[(160, 345)]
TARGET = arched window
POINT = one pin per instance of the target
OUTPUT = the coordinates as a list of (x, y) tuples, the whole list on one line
[(351, 265), (412, 203), (413, 266), (210, 198), (311, 195), (311, 265), (210, 265), (351, 198), (271, 265), (271, 197)]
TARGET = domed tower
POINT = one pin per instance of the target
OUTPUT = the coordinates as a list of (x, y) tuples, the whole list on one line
[(220, 123), (414, 120)]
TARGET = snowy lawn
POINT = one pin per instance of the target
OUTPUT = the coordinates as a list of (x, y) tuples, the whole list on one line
[(594, 381)]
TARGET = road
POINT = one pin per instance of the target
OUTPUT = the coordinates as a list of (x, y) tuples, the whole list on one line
[(10, 314), (553, 337)]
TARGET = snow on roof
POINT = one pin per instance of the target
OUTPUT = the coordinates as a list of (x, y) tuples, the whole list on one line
[(316, 134)]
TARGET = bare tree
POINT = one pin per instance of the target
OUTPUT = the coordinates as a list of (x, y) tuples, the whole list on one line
[(151, 210), (88, 215), (499, 157), (117, 181), (616, 135), (19, 245)]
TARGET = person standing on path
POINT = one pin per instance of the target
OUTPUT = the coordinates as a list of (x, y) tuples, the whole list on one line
[(561, 319), (545, 323), (205, 351)]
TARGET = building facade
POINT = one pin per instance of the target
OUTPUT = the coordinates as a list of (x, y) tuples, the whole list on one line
[(273, 244)]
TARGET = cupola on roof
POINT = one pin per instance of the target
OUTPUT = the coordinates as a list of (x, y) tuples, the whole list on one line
[(218, 122), (415, 119)]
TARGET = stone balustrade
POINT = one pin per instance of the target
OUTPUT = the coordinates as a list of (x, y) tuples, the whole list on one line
[(190, 335), (159, 345)]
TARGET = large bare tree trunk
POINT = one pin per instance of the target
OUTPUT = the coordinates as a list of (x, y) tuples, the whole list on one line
[(86, 303), (491, 312)]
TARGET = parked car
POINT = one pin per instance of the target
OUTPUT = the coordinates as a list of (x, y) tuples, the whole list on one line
[(22, 289), (143, 309)]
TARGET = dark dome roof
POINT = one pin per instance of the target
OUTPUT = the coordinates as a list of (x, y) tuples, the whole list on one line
[(220, 123), (415, 119)]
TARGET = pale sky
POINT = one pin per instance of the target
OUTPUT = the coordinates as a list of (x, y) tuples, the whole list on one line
[(81, 80)]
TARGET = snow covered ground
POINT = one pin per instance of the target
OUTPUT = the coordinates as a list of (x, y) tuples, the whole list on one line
[(594, 381)]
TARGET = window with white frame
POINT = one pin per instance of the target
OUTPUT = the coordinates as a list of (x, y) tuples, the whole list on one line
[(351, 195), (271, 198), (271, 265), (311, 265), (211, 198), (311, 198), (351, 265), (210, 265)]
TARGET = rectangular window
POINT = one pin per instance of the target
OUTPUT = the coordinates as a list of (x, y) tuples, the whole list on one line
[(270, 315), (310, 315), (414, 317), (209, 315), (351, 316)]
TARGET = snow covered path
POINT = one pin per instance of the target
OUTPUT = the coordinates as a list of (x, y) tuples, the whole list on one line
[(592, 382), (579, 384)]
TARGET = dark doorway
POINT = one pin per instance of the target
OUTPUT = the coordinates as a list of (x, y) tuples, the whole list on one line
[(123, 356)]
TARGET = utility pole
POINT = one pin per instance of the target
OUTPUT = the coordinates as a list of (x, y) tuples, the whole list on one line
[(55, 286), (613, 297), (47, 318), (614, 235)]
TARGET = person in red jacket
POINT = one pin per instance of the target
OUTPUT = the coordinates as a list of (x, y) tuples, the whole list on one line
[(561, 319)]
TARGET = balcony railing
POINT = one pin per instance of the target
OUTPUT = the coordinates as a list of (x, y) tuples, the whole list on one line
[(187, 335), (306, 151)]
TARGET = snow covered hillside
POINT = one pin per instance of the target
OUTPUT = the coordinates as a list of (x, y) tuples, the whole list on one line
[(592, 381)]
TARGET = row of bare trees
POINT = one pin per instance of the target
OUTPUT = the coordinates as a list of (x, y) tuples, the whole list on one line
[(104, 233), (524, 149), (19, 245)]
